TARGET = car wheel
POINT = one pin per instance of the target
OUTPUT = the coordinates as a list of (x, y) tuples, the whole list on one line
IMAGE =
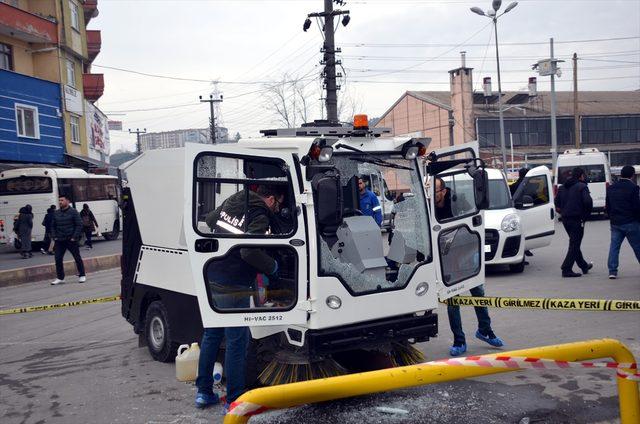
[(517, 268), (158, 333)]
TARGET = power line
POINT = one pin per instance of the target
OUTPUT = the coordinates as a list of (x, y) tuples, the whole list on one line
[(506, 82), (534, 43)]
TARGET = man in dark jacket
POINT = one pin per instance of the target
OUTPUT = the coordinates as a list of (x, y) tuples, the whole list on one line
[(66, 230), (574, 203), (230, 281), (623, 207)]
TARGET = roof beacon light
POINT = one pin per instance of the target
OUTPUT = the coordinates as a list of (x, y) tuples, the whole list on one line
[(360, 122)]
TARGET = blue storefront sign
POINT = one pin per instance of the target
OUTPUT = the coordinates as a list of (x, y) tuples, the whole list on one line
[(31, 125)]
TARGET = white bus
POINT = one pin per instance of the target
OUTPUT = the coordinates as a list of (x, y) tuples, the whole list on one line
[(40, 188)]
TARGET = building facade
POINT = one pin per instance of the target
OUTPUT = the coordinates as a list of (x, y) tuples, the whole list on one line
[(45, 48), (178, 138), (608, 120)]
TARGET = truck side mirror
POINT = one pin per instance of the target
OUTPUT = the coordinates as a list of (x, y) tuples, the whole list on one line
[(524, 202), (481, 188), (327, 197)]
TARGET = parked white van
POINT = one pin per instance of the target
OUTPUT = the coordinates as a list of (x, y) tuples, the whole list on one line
[(525, 222), (596, 167)]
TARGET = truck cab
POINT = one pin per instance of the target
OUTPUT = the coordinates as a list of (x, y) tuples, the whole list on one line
[(341, 285)]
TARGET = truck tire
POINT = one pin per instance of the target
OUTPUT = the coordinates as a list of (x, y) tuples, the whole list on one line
[(157, 332), (113, 234), (517, 268)]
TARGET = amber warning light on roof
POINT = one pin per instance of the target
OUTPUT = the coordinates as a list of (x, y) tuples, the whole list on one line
[(360, 122)]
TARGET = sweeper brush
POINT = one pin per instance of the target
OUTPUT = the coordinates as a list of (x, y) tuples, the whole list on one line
[(291, 367)]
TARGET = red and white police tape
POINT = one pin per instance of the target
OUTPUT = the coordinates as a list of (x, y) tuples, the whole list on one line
[(510, 362)]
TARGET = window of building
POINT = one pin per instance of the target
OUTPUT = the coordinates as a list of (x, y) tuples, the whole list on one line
[(71, 74), (6, 58), (75, 16), (75, 129), (27, 124)]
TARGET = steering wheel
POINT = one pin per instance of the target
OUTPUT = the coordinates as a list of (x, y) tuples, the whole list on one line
[(347, 212)]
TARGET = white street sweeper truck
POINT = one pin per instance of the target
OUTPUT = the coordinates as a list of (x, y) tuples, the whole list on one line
[(346, 296)]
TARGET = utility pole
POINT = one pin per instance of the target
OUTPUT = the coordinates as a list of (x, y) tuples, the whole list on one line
[(554, 132), (212, 118), (576, 113), (329, 50), (137, 132)]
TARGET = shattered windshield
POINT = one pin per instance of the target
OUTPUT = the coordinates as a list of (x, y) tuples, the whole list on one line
[(356, 250)]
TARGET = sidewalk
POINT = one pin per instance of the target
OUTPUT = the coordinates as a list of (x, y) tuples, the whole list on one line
[(15, 270)]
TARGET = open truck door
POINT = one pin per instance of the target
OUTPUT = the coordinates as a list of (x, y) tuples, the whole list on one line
[(236, 281), (457, 221), (534, 201)]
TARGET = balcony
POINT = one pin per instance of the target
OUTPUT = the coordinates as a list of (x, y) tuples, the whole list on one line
[(94, 42), (90, 8), (26, 26), (93, 86)]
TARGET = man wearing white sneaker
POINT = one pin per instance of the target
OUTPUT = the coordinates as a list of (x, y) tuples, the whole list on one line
[(66, 229)]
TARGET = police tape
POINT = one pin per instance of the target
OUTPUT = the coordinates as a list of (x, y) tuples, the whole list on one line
[(545, 303), (512, 362), (248, 409), (40, 308)]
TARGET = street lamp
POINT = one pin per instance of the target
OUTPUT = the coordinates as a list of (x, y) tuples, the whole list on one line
[(493, 15)]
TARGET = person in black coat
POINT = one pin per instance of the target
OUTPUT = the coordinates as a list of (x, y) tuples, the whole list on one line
[(24, 226), (47, 222), (623, 207), (574, 203), (66, 230), (89, 224)]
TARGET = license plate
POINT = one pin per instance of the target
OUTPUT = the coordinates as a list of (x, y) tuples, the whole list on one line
[(487, 248)]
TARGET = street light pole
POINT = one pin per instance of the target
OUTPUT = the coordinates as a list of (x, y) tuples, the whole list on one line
[(500, 112), (554, 133), (493, 15)]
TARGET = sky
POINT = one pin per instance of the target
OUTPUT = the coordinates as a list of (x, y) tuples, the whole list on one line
[(388, 47)]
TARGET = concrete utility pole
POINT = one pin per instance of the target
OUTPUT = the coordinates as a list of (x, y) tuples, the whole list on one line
[(137, 132), (212, 118), (576, 113), (329, 58), (554, 131)]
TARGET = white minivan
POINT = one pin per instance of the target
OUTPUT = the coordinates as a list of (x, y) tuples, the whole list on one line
[(596, 167), (524, 222)]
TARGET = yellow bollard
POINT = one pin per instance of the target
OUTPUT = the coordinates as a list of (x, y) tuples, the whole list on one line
[(295, 394)]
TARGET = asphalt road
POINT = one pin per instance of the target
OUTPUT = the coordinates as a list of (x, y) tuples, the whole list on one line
[(82, 364), (10, 258)]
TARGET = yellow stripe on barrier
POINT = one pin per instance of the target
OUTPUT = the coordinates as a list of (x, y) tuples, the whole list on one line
[(40, 308), (545, 303)]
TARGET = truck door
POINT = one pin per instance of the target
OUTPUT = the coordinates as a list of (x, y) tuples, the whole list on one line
[(241, 218), (534, 201), (457, 224)]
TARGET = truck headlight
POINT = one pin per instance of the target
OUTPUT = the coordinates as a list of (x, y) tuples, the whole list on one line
[(334, 302), (510, 223)]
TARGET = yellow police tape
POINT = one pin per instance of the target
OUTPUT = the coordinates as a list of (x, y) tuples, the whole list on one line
[(543, 303), (25, 309)]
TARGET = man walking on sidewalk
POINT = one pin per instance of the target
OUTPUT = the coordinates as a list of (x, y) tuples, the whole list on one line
[(66, 230), (574, 203), (623, 207)]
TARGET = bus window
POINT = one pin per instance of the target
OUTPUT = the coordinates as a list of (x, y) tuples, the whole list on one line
[(25, 185)]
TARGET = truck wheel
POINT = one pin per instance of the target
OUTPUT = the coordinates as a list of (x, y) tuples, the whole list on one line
[(517, 268), (113, 234), (158, 333)]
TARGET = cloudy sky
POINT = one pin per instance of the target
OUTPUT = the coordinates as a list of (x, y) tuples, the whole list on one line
[(389, 47)]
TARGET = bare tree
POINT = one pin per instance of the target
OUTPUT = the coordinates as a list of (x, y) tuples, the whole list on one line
[(288, 100), (349, 104)]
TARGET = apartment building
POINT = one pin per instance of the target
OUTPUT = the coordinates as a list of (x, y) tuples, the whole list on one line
[(47, 89)]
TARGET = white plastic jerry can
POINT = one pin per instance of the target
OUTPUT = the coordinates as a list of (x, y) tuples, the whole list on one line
[(187, 362)]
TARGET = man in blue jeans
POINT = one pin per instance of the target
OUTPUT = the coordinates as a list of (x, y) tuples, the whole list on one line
[(230, 280), (623, 207)]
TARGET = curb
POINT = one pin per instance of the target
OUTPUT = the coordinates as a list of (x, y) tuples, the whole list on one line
[(13, 277)]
